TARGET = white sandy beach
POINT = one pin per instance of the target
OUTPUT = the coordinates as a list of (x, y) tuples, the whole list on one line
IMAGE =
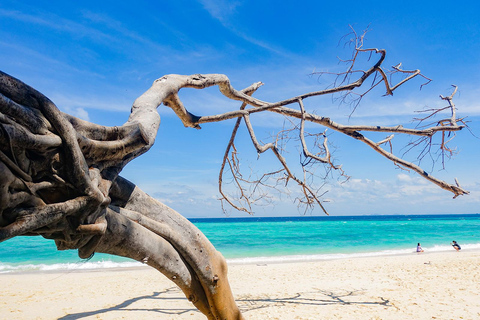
[(444, 285)]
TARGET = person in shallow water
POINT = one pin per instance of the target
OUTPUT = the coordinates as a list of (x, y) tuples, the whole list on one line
[(419, 248), (456, 246)]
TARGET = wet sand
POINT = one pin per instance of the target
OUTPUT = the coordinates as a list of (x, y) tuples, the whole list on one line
[(443, 285)]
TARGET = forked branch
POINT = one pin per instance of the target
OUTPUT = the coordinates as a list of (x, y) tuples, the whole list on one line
[(251, 106)]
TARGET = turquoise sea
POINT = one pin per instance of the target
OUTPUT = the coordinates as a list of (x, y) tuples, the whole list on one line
[(270, 240)]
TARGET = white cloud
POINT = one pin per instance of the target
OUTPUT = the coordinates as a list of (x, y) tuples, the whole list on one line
[(56, 22), (190, 200), (404, 177), (73, 102), (220, 9), (404, 190), (38, 60), (121, 32), (81, 113), (224, 10)]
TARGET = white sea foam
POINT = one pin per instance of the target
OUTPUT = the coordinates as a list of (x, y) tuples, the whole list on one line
[(7, 268), (319, 257), (473, 246), (107, 264)]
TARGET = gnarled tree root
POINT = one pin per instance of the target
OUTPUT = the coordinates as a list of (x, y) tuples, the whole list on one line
[(142, 228)]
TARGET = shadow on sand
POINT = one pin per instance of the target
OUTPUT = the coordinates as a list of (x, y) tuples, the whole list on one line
[(125, 306), (309, 298), (245, 303)]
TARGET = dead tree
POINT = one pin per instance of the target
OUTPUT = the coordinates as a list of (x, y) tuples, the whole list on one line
[(59, 175)]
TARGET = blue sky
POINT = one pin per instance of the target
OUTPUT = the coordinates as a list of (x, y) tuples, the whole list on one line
[(93, 59)]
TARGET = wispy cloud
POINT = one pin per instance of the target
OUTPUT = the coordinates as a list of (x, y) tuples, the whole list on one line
[(78, 112), (121, 31), (220, 9), (108, 32), (39, 59), (55, 22), (74, 102), (31, 19), (406, 191), (224, 11)]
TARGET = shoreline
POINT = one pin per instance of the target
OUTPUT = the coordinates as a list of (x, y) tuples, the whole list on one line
[(249, 261), (440, 285)]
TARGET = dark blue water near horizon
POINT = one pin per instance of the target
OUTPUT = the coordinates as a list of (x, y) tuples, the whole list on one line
[(393, 217), (278, 239)]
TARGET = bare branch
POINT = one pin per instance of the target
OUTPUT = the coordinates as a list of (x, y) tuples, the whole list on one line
[(59, 175)]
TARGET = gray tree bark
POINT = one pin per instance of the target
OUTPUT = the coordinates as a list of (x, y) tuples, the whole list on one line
[(59, 179), (59, 175)]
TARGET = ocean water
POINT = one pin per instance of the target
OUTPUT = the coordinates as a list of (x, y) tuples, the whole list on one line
[(270, 240)]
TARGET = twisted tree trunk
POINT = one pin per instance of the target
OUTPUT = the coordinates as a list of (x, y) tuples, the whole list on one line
[(59, 179), (59, 175)]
